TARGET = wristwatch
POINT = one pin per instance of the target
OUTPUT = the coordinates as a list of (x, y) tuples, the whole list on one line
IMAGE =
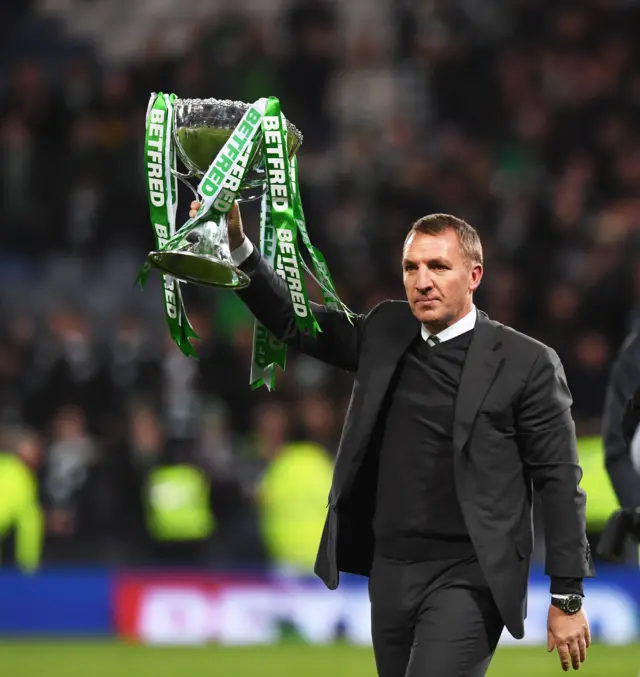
[(570, 604)]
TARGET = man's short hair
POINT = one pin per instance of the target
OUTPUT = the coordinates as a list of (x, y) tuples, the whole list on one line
[(435, 224)]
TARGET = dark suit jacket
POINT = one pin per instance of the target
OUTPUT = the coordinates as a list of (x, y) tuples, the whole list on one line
[(513, 432), (623, 382)]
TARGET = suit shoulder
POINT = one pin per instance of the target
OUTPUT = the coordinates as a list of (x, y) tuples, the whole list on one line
[(386, 318), (389, 309), (516, 340)]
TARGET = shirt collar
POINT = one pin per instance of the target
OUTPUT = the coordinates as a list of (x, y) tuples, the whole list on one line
[(463, 325)]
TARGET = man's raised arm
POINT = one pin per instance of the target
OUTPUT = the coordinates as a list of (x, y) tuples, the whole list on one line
[(268, 298)]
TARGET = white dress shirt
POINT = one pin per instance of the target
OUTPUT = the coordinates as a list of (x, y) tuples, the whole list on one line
[(240, 254), (463, 325)]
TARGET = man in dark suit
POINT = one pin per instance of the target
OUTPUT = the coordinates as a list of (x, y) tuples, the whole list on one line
[(454, 420)]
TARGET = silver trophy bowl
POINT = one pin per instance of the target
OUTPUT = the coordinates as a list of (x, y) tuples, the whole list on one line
[(200, 130)]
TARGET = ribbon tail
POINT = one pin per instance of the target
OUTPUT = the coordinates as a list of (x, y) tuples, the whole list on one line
[(143, 275), (186, 331), (256, 381), (265, 376), (189, 331), (186, 346), (267, 354)]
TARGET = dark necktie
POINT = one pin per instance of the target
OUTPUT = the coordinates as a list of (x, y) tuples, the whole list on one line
[(433, 341)]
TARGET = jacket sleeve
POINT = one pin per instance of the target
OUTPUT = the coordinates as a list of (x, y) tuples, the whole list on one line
[(267, 297), (623, 381), (548, 446)]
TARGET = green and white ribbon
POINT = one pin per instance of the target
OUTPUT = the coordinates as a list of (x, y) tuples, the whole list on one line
[(162, 191), (268, 351), (287, 258), (279, 246)]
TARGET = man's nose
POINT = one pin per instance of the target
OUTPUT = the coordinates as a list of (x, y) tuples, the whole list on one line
[(424, 281)]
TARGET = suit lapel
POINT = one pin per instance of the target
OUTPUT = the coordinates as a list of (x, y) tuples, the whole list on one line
[(400, 338), (366, 404), (481, 368)]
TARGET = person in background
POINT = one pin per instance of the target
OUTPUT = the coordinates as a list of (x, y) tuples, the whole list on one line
[(623, 382), (318, 420), (21, 519), (175, 492), (621, 535), (232, 477), (178, 514), (69, 461), (291, 493)]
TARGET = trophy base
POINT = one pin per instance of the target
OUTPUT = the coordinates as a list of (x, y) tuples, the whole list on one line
[(200, 269)]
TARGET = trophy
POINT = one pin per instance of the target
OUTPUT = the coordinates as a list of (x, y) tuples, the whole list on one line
[(240, 152), (201, 127)]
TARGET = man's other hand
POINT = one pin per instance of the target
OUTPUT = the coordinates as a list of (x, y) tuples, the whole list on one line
[(570, 635)]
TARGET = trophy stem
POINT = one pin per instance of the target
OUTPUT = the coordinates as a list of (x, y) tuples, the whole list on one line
[(203, 258)]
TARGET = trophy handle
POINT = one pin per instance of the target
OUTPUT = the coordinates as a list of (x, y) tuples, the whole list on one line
[(183, 178), (246, 196)]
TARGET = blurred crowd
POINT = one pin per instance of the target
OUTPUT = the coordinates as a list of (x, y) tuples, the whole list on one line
[(520, 117)]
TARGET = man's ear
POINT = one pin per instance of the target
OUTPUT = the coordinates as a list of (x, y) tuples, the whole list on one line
[(476, 276)]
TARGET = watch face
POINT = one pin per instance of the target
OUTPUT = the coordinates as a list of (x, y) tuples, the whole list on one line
[(574, 604)]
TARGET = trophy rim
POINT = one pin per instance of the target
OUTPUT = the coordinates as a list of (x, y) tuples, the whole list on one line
[(218, 103)]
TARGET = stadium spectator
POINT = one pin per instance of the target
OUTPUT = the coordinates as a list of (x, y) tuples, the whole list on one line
[(21, 519)]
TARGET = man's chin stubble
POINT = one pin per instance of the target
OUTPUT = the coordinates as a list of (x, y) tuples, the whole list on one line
[(436, 322)]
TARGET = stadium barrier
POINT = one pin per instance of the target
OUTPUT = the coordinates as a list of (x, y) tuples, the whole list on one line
[(187, 608), (65, 602)]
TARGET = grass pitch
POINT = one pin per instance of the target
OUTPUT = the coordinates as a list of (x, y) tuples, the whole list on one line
[(114, 659)]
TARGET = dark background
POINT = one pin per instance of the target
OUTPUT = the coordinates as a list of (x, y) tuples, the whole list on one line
[(518, 115)]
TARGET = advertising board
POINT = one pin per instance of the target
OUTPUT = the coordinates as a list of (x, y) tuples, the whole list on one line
[(66, 602), (196, 608), (261, 610)]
